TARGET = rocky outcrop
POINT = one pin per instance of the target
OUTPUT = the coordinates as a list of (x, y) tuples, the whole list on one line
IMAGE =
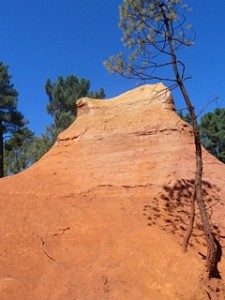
[(103, 213)]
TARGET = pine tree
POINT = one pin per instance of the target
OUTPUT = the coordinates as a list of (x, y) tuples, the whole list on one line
[(63, 95), (17, 154), (153, 31), (212, 129), (10, 118)]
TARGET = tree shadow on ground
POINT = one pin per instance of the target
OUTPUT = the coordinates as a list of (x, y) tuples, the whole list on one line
[(171, 211)]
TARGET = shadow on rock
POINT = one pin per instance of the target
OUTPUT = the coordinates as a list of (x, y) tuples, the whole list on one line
[(171, 209)]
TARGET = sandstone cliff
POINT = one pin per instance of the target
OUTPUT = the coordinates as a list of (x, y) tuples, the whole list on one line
[(102, 215)]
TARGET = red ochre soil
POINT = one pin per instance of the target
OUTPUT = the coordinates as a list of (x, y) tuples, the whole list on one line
[(103, 214)]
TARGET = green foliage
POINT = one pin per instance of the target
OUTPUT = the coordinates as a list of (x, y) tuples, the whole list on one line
[(213, 133), (10, 118), (40, 145), (63, 95), (145, 34), (23, 149), (17, 156)]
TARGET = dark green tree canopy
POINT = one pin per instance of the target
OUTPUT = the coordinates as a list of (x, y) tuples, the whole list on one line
[(41, 144), (23, 149), (17, 152), (10, 118), (63, 95), (213, 132)]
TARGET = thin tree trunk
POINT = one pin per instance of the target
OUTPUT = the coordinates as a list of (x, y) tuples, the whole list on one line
[(211, 245)]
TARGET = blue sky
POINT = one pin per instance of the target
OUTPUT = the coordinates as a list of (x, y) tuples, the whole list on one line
[(46, 38)]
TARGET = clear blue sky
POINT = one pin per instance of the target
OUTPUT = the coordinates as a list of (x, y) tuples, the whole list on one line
[(46, 38)]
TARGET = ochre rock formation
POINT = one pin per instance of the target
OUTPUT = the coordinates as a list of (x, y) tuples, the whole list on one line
[(103, 214)]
